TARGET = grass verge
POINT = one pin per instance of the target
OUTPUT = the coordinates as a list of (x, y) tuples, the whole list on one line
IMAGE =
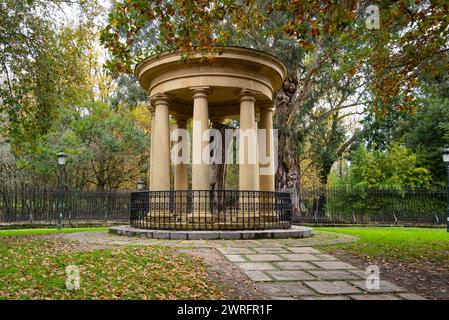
[(39, 231), (35, 268), (395, 243)]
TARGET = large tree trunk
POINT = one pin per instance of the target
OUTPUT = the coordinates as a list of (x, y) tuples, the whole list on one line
[(218, 170), (320, 206), (287, 174), (217, 176), (287, 179)]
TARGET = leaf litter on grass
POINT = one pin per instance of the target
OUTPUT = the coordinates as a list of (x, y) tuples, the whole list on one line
[(34, 268)]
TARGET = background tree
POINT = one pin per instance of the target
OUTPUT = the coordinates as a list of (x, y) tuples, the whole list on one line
[(109, 147), (127, 93), (53, 96), (397, 167), (424, 132), (338, 70), (42, 64)]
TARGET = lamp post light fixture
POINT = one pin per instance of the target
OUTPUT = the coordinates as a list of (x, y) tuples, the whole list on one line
[(446, 162), (61, 162), (140, 185)]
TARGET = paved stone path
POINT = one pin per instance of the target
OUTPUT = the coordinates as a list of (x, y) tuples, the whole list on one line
[(292, 272), (282, 268)]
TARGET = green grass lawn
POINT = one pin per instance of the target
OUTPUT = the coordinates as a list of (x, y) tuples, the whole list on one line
[(34, 268), (37, 231), (396, 243)]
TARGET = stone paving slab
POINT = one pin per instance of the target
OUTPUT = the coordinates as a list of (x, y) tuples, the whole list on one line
[(235, 258), (325, 257), (285, 289), (256, 266), (258, 276), (235, 243), (263, 257), (332, 287), (300, 257), (334, 275), (303, 250), (295, 265), (334, 265), (270, 250), (374, 297), (290, 275), (273, 244)]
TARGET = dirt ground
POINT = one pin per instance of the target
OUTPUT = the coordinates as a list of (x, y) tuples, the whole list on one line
[(428, 279)]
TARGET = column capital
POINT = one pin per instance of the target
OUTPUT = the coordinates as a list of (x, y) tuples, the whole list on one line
[(248, 95), (151, 108), (200, 91), (160, 99), (266, 106)]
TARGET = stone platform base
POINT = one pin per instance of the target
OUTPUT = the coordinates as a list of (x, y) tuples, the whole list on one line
[(294, 232)]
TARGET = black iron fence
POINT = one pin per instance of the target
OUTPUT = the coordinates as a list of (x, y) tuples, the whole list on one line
[(210, 210), (352, 205), (237, 209), (32, 205)]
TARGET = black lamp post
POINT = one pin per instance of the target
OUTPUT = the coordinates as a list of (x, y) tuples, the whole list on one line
[(446, 162), (61, 162), (140, 185)]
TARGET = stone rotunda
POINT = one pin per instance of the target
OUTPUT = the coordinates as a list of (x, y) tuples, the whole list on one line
[(236, 84)]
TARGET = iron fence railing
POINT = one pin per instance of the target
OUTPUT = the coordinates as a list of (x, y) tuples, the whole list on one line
[(342, 205), (355, 205), (210, 210), (29, 205)]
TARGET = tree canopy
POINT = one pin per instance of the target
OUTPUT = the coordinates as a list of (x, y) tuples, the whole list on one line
[(412, 38), (352, 91)]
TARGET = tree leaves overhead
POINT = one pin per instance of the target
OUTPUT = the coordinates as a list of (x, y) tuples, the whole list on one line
[(412, 44), (173, 25), (412, 39)]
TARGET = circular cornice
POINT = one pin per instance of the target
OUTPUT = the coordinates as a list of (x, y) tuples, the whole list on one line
[(250, 68)]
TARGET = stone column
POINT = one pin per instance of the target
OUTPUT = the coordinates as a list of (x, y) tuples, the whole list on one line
[(256, 125), (181, 177), (200, 147), (152, 111), (266, 122), (266, 177), (160, 175), (248, 142), (200, 170)]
